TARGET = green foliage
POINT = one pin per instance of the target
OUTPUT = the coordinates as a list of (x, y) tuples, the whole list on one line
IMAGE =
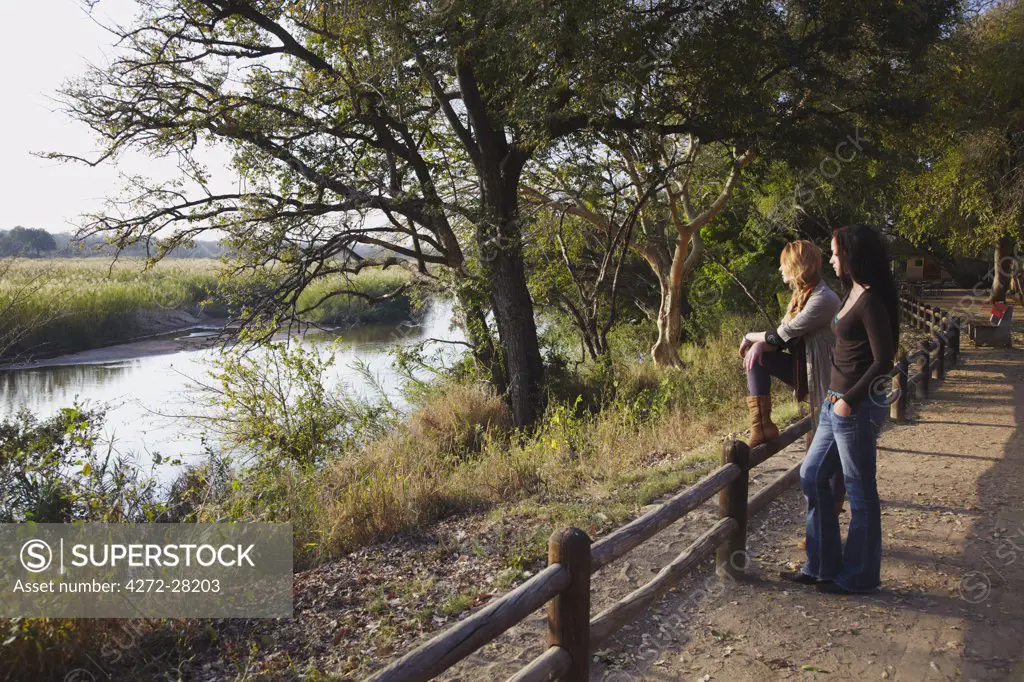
[(26, 241), (273, 405), (272, 410), (52, 471), (965, 187)]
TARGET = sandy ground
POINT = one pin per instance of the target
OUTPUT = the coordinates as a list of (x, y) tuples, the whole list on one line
[(953, 569), (159, 333)]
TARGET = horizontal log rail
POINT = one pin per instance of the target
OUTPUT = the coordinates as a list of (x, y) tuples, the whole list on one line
[(564, 586), (624, 539), (626, 610), (767, 495), (466, 636), (761, 453), (933, 356), (548, 666), (919, 354)]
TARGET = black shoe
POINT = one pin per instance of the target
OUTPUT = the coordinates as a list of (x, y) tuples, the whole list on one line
[(836, 588), (801, 577)]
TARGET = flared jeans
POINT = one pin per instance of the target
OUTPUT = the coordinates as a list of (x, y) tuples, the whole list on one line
[(846, 444)]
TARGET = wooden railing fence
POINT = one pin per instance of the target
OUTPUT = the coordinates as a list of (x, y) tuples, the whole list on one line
[(564, 586)]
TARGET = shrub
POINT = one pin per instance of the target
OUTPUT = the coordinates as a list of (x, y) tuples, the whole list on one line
[(52, 472), (459, 419)]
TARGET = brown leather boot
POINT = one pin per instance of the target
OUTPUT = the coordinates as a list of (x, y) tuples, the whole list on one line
[(761, 426)]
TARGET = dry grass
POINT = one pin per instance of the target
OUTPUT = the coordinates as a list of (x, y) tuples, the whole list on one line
[(460, 419), (457, 455)]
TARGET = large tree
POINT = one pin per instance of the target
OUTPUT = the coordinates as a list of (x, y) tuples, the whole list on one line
[(26, 241), (661, 195), (808, 79), (406, 127), (400, 126), (963, 191)]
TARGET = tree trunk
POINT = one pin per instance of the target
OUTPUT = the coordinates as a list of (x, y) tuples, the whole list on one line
[(1001, 273), (483, 344), (513, 311), (501, 250), (665, 351)]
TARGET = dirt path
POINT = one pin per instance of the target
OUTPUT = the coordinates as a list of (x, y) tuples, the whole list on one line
[(953, 567), (952, 573)]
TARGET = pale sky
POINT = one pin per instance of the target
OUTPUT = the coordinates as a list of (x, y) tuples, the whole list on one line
[(46, 42)]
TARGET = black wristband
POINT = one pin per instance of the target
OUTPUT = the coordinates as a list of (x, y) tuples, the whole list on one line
[(773, 338)]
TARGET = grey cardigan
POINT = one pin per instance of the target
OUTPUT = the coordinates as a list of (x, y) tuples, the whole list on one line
[(814, 325)]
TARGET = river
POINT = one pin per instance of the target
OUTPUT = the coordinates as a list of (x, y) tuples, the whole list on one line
[(147, 385)]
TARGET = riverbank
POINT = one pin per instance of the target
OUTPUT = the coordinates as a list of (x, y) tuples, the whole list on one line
[(50, 308), (175, 332), (449, 508)]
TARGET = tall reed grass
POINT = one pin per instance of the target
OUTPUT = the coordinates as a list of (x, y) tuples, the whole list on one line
[(52, 306), (355, 309), (59, 305)]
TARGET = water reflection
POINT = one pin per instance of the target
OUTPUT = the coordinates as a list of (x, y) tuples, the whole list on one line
[(36, 389), (141, 394)]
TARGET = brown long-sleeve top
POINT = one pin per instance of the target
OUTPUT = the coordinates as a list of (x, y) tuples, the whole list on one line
[(865, 346)]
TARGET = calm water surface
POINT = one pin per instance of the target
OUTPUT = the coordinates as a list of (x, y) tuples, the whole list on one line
[(146, 394)]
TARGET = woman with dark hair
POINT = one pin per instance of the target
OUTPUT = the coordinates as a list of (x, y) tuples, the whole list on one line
[(867, 334)]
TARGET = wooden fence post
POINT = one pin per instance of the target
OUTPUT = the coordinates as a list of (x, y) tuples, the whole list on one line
[(898, 410), (731, 556), (569, 612), (926, 374), (957, 322), (939, 371)]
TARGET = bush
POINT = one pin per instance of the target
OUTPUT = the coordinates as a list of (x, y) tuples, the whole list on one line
[(460, 418), (51, 472), (274, 405)]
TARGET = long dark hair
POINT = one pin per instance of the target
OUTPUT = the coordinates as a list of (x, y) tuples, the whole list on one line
[(864, 259)]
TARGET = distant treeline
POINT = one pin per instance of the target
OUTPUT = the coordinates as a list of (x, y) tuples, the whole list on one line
[(31, 242)]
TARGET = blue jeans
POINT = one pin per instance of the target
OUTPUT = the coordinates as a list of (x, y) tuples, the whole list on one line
[(844, 444)]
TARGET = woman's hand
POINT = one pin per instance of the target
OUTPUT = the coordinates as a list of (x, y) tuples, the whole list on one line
[(745, 345), (753, 355), (843, 408)]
